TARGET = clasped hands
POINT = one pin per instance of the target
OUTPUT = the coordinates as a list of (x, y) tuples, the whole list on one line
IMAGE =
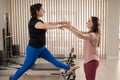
[(64, 24)]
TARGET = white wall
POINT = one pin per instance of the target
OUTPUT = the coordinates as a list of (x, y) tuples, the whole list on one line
[(3, 11), (119, 29), (112, 29)]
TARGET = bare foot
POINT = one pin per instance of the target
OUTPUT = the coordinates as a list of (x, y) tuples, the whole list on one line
[(74, 68)]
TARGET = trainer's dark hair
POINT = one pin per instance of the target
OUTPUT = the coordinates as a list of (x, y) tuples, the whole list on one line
[(95, 27), (34, 8)]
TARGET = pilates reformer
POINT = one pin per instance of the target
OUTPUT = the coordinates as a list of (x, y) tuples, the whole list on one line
[(55, 71)]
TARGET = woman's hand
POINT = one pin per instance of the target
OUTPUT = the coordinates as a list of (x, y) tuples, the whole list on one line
[(67, 25), (58, 23), (61, 27), (64, 24)]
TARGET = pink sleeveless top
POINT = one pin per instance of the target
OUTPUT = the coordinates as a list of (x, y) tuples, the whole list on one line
[(90, 48)]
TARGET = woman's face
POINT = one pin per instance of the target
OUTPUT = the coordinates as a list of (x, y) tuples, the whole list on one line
[(89, 23), (40, 13)]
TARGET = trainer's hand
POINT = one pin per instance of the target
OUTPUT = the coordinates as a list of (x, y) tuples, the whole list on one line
[(62, 22), (61, 27), (67, 25)]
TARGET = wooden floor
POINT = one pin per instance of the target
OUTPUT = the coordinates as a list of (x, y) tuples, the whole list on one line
[(108, 70)]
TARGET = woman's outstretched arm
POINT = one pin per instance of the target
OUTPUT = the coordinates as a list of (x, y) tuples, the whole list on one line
[(79, 34), (49, 25)]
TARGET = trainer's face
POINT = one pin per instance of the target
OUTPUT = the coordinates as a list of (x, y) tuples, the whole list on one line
[(40, 13), (89, 23)]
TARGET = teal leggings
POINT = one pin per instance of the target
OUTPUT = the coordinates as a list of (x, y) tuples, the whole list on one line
[(32, 54)]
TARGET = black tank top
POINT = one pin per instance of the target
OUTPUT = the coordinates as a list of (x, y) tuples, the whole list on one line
[(37, 36)]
